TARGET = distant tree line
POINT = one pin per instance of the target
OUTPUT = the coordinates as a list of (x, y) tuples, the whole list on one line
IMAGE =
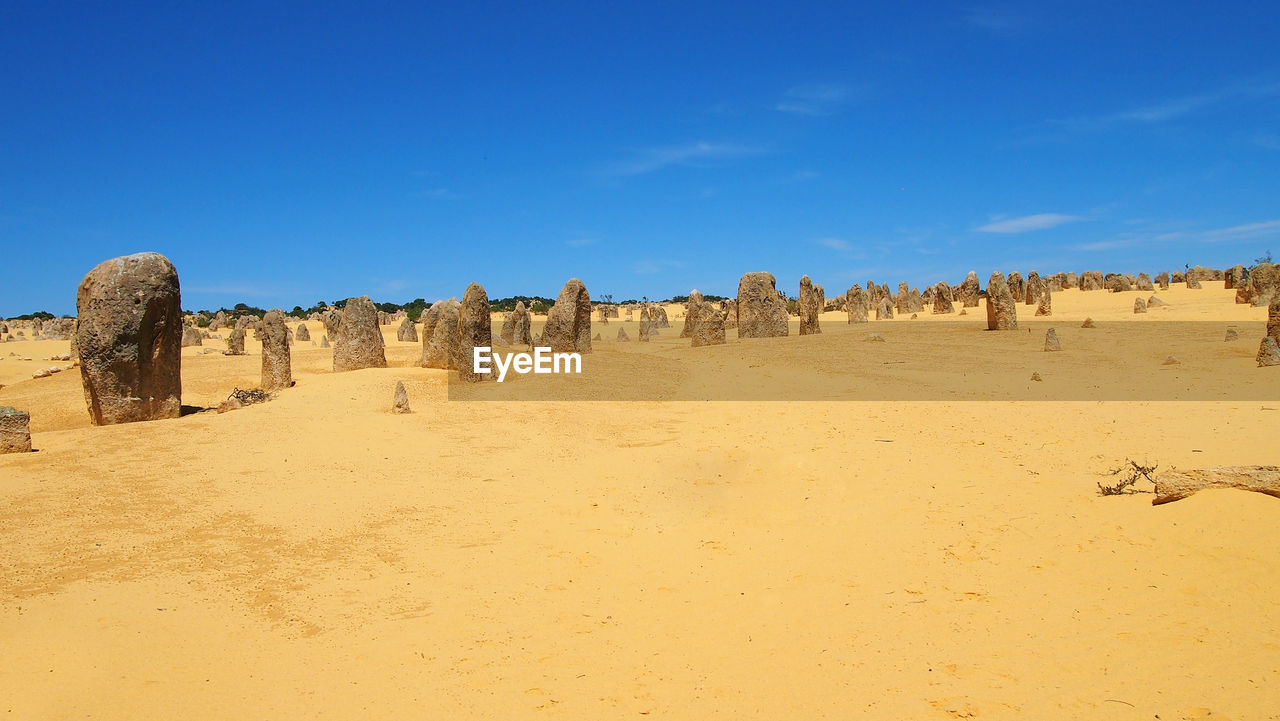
[(685, 298), (414, 308), (535, 303), (40, 314)]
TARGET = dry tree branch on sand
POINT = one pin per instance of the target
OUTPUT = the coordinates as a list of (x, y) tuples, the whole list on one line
[(1129, 474), (251, 396)]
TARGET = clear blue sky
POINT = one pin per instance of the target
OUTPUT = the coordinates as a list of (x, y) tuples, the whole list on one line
[(282, 154)]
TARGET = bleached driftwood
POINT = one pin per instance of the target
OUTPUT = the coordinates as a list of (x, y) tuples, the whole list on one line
[(1173, 484)]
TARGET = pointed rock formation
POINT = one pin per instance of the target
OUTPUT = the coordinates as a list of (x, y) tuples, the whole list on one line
[(762, 313), (855, 304), (729, 311), (15, 430), (902, 301), (407, 332), (1002, 313), (568, 328), (646, 324), (474, 330), (1051, 342), (1119, 284), (440, 348), (1044, 306), (358, 343), (942, 299), (1268, 353), (235, 341), (1261, 285), (1234, 278), (331, 320), (1017, 287), (915, 301), (1201, 274), (969, 291), (521, 326), (810, 305), (1035, 287), (706, 325), (400, 403), (129, 339), (191, 336), (686, 330), (658, 316), (277, 369), (508, 331)]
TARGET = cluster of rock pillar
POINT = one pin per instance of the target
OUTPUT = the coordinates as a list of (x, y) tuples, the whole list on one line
[(129, 332)]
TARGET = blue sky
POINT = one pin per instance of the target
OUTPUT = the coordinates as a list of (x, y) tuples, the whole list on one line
[(282, 154)]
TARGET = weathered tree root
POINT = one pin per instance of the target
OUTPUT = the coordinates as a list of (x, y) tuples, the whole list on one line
[(1173, 485)]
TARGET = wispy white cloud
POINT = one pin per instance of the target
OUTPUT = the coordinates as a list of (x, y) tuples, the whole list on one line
[(1262, 229), (1165, 110), (579, 242), (1170, 108), (1027, 223), (859, 275), (1105, 245), (439, 194), (1270, 142), (993, 20), (700, 154), (653, 267), (1246, 231), (802, 175), (815, 99), (1128, 240), (916, 235), (833, 243)]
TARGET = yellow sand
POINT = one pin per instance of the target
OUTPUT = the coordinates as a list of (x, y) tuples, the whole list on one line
[(320, 557)]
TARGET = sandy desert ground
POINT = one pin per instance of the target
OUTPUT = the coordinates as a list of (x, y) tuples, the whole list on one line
[(913, 556)]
